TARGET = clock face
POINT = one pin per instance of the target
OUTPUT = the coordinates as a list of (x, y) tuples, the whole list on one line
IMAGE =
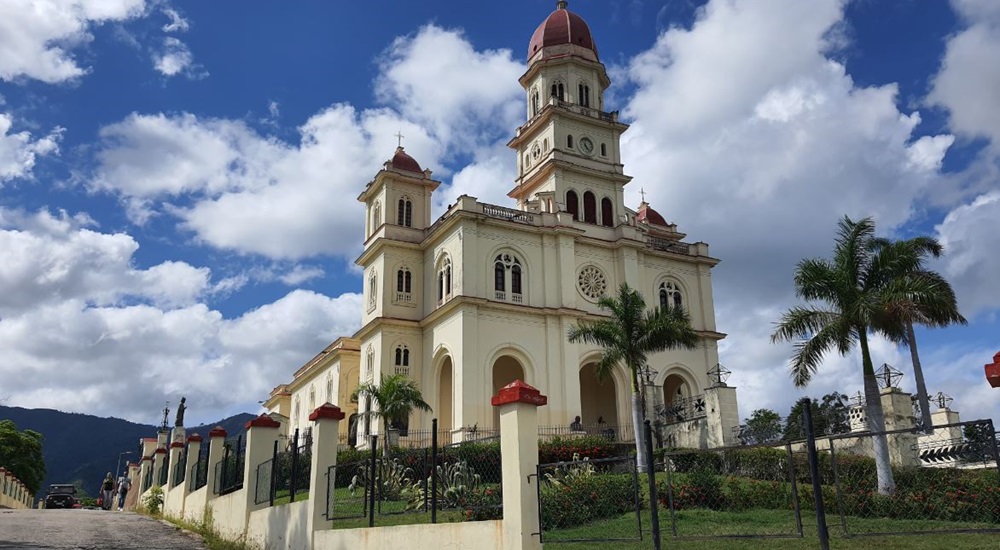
[(586, 146)]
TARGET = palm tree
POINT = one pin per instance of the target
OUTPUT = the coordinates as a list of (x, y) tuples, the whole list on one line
[(628, 336), (861, 287), (927, 299), (392, 400)]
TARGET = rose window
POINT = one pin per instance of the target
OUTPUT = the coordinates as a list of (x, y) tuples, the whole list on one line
[(592, 282)]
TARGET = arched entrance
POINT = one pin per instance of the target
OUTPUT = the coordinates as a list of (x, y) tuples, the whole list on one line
[(675, 390), (598, 398), (506, 369), (445, 396)]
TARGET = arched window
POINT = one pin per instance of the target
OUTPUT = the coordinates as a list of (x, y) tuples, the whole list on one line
[(402, 363), (670, 295), (569, 141), (376, 215), (604, 150), (534, 101), (607, 215), (404, 285), (573, 204), (369, 373), (589, 207), (584, 96), (404, 215), (329, 389), (503, 264), (558, 91), (444, 280), (545, 145), (372, 290), (499, 278)]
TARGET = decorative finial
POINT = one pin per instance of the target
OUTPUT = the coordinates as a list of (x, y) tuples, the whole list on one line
[(166, 411), (399, 139), (642, 191), (561, 4)]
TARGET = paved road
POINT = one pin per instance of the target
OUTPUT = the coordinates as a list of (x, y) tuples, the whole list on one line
[(89, 530)]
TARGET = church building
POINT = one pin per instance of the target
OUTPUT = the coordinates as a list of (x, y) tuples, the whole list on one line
[(485, 294)]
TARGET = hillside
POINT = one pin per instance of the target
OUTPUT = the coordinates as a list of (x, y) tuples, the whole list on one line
[(81, 448)]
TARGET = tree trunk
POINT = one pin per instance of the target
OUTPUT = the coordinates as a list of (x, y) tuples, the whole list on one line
[(918, 374), (876, 420), (640, 449)]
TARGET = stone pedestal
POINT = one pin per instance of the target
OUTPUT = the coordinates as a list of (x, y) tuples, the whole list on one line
[(262, 432), (216, 450), (326, 426), (722, 415), (518, 403)]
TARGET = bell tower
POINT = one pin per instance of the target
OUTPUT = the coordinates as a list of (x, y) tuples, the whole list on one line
[(569, 151)]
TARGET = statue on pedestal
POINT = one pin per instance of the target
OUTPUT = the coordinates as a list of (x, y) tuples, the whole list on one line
[(179, 421)]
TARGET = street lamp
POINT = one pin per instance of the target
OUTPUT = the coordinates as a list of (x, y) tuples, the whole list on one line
[(119, 465)]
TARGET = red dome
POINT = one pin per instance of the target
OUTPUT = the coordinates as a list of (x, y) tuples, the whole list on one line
[(648, 215), (402, 161), (561, 27)]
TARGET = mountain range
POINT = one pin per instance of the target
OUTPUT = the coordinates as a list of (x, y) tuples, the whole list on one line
[(81, 448)]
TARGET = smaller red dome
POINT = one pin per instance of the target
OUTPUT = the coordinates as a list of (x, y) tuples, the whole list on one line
[(402, 161), (560, 28), (648, 215)]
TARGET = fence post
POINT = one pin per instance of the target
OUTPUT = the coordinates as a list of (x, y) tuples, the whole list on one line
[(326, 427), (651, 475), (216, 450), (371, 482), (518, 403), (817, 483), (261, 434), (274, 472), (434, 474), (295, 465)]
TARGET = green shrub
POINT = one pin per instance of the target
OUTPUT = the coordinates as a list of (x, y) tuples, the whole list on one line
[(585, 499), (154, 501), (559, 449)]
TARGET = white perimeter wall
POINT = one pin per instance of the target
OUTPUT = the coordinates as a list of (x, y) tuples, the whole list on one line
[(283, 526), (473, 535)]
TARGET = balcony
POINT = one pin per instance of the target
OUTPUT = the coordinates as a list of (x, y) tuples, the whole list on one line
[(404, 297), (508, 214), (585, 111), (667, 245)]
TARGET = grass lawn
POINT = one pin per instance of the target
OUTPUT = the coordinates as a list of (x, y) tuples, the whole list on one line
[(692, 523)]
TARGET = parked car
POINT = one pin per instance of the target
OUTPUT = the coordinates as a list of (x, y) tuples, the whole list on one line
[(61, 496)]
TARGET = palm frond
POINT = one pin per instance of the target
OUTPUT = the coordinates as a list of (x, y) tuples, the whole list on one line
[(802, 322)]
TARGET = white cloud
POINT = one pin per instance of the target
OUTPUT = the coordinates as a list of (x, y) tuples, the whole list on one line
[(239, 190), (971, 236), (37, 37), (51, 259), (18, 152), (175, 58), (78, 322), (752, 138), (301, 274), (464, 97), (177, 22)]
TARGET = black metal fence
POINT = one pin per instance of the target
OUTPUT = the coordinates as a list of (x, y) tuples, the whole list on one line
[(229, 470), (611, 432), (589, 500), (199, 471), (164, 473), (461, 481), (286, 474), (940, 481), (179, 470)]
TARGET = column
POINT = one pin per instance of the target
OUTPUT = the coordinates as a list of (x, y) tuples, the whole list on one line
[(518, 403), (722, 414), (897, 406), (146, 466), (216, 441), (159, 463), (190, 459), (326, 425), (262, 432)]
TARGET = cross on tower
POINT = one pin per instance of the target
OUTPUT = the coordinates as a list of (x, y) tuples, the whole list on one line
[(399, 138), (642, 191), (166, 411)]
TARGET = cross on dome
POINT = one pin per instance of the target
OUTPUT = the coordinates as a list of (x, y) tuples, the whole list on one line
[(399, 138)]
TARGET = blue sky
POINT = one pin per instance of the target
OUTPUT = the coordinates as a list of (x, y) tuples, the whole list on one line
[(177, 179)]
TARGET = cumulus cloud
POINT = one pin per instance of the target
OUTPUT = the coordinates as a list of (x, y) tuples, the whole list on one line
[(968, 83), (18, 152), (78, 322), (237, 189), (37, 37), (177, 22), (173, 58), (971, 236), (752, 137)]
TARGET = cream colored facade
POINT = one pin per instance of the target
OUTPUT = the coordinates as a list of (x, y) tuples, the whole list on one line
[(485, 294)]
